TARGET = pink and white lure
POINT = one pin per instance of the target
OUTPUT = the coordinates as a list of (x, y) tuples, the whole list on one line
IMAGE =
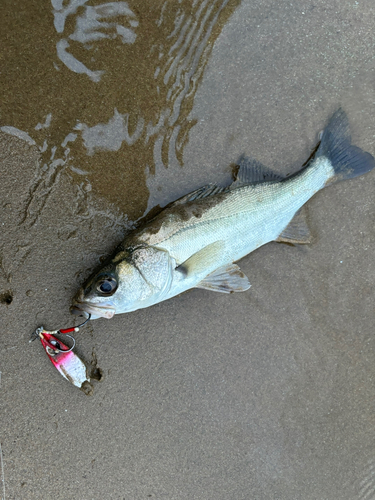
[(63, 358)]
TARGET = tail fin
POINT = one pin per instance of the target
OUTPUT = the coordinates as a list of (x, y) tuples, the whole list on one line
[(348, 161)]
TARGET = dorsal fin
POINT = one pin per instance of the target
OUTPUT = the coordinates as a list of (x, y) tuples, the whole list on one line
[(200, 193), (252, 172)]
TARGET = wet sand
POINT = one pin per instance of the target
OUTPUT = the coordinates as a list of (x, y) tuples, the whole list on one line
[(267, 394)]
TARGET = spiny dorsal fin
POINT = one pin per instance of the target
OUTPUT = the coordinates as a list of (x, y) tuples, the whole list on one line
[(297, 231), (252, 172), (226, 279), (202, 192)]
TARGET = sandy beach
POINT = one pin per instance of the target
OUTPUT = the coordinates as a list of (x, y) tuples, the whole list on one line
[(266, 394)]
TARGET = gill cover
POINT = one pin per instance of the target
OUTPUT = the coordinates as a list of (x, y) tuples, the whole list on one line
[(145, 277)]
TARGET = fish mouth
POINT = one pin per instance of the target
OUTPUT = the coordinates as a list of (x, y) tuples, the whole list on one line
[(96, 311)]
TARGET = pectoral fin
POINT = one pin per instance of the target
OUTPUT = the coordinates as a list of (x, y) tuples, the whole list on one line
[(226, 279), (203, 260), (297, 231)]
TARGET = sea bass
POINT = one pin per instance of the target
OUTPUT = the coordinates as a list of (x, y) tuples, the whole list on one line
[(195, 241)]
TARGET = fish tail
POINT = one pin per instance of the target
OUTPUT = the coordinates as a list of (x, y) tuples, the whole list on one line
[(347, 161)]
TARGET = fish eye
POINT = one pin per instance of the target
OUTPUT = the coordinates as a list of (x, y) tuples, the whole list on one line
[(107, 285)]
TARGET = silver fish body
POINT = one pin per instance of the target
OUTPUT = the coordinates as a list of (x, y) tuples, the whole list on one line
[(194, 242)]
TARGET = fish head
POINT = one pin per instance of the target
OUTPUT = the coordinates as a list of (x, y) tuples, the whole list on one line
[(131, 280)]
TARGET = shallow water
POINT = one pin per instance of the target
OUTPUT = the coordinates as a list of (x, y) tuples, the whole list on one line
[(105, 89), (119, 107)]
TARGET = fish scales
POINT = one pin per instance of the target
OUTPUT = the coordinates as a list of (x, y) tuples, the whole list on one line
[(244, 219)]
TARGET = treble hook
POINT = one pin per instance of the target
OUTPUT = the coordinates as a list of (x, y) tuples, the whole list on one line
[(58, 349)]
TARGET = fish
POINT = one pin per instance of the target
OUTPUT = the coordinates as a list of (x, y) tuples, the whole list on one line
[(196, 241)]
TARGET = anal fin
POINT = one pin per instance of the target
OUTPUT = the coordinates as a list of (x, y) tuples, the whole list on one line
[(297, 231), (226, 279)]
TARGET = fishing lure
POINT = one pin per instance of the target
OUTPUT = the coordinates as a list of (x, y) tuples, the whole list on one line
[(69, 365)]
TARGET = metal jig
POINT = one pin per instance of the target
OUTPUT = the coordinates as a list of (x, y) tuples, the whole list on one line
[(69, 365)]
